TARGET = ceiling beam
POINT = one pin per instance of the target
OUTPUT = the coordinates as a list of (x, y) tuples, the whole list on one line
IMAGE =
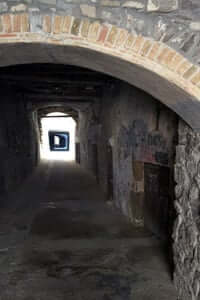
[(93, 80), (63, 98)]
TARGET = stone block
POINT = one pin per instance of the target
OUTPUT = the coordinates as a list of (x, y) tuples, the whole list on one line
[(180, 153), (88, 10), (106, 15), (195, 26), (19, 8), (3, 7), (162, 5), (36, 22), (48, 2), (133, 4), (112, 3)]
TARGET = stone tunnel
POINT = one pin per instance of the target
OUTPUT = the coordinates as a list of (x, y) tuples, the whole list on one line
[(120, 218)]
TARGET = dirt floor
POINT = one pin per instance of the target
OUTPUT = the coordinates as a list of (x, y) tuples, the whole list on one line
[(59, 240)]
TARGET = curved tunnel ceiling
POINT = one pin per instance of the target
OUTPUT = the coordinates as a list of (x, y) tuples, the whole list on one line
[(183, 103)]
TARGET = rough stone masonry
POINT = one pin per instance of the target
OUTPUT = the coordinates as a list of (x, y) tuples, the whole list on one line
[(176, 23)]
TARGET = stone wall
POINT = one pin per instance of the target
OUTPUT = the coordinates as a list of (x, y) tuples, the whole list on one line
[(140, 132), (159, 15), (87, 132), (175, 22), (18, 141), (187, 227)]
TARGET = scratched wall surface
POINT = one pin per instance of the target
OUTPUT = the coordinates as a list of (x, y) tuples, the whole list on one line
[(18, 141), (139, 131)]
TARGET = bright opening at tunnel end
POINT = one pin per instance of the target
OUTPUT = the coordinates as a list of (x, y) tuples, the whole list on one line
[(57, 122)]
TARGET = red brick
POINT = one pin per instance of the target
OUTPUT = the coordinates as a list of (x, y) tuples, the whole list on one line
[(25, 23), (138, 43), (154, 51), (57, 25), (67, 24), (17, 23), (103, 34), (47, 24), (6, 20)]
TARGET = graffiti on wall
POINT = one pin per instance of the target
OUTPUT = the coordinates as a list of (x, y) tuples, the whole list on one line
[(146, 146)]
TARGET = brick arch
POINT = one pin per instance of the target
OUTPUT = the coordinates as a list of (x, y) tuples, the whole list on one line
[(143, 62)]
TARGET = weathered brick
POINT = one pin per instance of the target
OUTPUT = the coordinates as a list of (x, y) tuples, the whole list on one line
[(138, 43), (6, 21), (103, 34), (112, 35), (190, 72), (183, 67), (146, 47), (154, 51), (1, 25), (94, 31), (85, 28), (162, 55), (67, 21), (168, 58), (57, 25), (25, 23), (67, 24), (129, 41), (122, 36), (196, 78), (17, 23), (173, 64), (47, 24), (75, 27)]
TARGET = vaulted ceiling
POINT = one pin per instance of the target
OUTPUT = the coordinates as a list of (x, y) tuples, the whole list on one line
[(44, 83)]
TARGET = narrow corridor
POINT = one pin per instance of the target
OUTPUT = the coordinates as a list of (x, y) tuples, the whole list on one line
[(59, 240)]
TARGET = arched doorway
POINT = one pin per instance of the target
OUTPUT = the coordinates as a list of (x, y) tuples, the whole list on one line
[(144, 63)]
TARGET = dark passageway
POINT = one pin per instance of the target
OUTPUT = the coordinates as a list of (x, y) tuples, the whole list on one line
[(61, 241), (99, 228)]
